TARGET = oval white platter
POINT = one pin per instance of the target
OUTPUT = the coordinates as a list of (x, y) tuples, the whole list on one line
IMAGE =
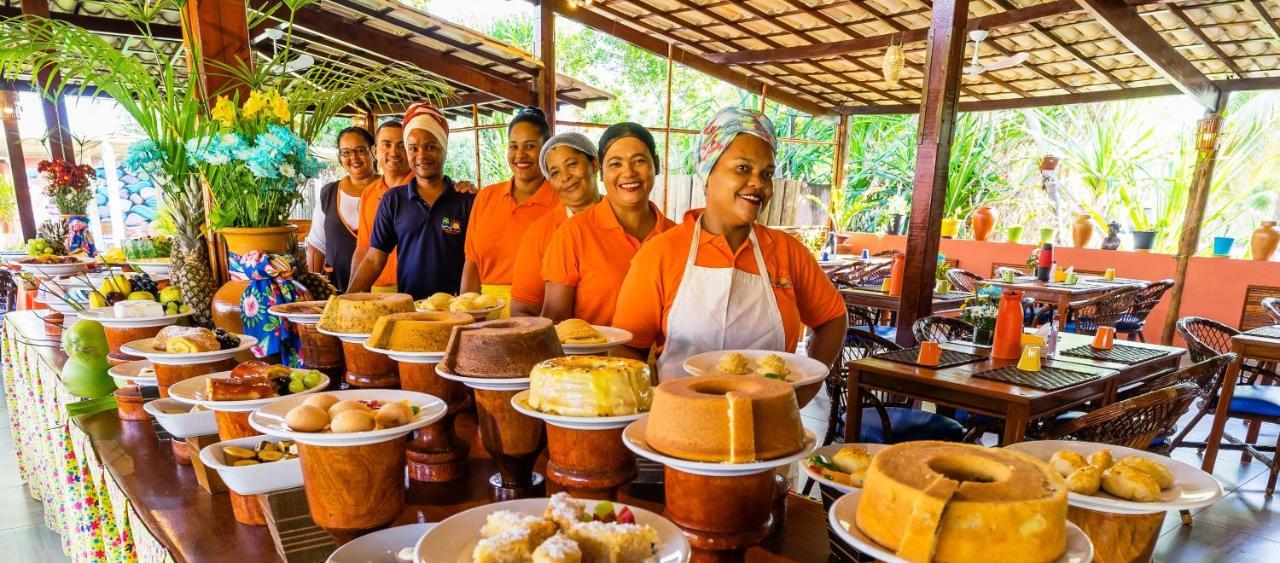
[(408, 357), (614, 337), (194, 391), (352, 337), (633, 438), (145, 348), (282, 311), (269, 419), (1192, 488), (128, 371), (485, 383), (521, 403), (380, 546), (453, 540), (182, 425), (71, 268), (842, 517), (829, 451), (252, 479), (107, 316), (804, 370)]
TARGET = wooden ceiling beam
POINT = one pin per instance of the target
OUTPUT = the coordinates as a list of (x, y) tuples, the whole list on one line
[(1075, 53), (1124, 23), (1204, 39), (658, 46), (386, 16)]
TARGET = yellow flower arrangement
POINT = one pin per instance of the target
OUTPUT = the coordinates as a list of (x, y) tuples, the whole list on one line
[(224, 112), (279, 107), (256, 103)]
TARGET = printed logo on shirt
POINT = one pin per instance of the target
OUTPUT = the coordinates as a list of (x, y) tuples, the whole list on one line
[(782, 282), (451, 226)]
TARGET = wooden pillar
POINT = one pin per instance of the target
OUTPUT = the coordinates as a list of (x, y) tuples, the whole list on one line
[(545, 45), (837, 167), (217, 31), (17, 163), (1206, 156), (938, 104), (475, 131), (666, 144), (61, 145)]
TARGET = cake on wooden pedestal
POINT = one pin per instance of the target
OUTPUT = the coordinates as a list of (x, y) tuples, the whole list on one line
[(356, 314), (436, 454), (416, 332), (725, 419)]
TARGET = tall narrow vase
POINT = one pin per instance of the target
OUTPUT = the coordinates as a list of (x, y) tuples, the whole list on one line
[(1007, 342), (1081, 230), (1264, 240), (983, 219)]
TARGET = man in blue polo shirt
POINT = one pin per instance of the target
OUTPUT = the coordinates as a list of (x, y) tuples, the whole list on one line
[(425, 221)]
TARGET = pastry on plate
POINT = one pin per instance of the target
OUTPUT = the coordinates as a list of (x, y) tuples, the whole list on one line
[(733, 363), (851, 459), (1085, 480), (1065, 462), (558, 549), (772, 364), (1129, 483), (578, 331), (186, 340), (1158, 472)]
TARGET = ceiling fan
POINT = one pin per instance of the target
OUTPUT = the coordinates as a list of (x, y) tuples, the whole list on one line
[(977, 36)]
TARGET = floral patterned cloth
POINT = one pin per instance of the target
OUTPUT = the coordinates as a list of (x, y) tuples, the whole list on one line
[(723, 129), (82, 502), (270, 278), (79, 237)]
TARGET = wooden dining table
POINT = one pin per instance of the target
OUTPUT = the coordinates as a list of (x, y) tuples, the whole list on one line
[(957, 387), (1250, 345), (1061, 295), (874, 297)]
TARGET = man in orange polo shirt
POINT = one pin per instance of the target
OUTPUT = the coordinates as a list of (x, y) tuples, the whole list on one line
[(719, 281), (389, 152)]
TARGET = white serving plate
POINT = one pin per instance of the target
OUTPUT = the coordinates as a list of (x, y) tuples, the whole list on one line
[(829, 451), (1192, 488), (478, 314), (184, 425), (380, 546), (194, 391), (107, 316), (51, 270), (521, 403), (128, 371), (408, 357), (307, 318), (352, 337), (252, 479), (614, 337), (633, 438), (485, 383), (145, 349), (804, 370), (842, 518), (269, 419), (151, 268), (453, 539)]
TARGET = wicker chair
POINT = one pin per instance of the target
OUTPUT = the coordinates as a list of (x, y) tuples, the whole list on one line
[(1207, 338), (941, 329), (1206, 375), (1104, 310), (1134, 320), (964, 280), (1272, 306), (1133, 423)]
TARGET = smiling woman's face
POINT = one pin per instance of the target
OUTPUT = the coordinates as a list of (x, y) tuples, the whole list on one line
[(741, 182), (523, 145), (628, 172), (573, 176)]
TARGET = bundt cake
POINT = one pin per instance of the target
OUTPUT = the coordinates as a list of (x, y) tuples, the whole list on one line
[(718, 418), (943, 501), (416, 332), (505, 348), (355, 313), (590, 386)]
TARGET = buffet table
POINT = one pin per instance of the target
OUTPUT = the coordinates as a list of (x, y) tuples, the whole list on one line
[(113, 491)]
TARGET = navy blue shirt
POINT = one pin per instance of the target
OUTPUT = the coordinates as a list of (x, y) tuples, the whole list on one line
[(429, 239)]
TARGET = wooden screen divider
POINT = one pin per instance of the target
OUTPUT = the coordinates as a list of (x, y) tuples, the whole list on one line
[(1251, 313)]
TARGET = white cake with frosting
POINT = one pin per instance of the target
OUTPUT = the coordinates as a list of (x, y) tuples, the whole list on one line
[(137, 309)]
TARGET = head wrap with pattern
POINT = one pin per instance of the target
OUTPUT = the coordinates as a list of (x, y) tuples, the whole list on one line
[(723, 129), (425, 115)]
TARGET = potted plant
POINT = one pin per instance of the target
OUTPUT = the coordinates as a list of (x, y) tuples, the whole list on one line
[(980, 311), (941, 283), (1264, 240), (897, 208), (70, 187)]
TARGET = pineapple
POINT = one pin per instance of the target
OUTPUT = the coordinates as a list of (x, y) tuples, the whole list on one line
[(55, 233), (189, 265), (317, 284)]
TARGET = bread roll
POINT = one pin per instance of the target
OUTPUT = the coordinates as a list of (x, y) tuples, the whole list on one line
[(352, 421), (1085, 480), (1130, 484), (1065, 462), (1161, 474), (306, 418), (1101, 458)]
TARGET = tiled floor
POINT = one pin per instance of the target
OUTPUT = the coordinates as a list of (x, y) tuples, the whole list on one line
[(1244, 526)]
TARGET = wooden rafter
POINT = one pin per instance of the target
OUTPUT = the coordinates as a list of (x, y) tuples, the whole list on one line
[(1268, 23), (1199, 33), (1075, 53), (1125, 24)]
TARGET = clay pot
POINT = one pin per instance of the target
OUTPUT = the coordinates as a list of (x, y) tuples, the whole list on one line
[(129, 403), (167, 375), (352, 490), (950, 227), (1118, 537), (723, 515), (982, 221), (1012, 234), (119, 336), (1081, 230), (367, 369), (232, 425), (1144, 240), (1265, 238), (241, 240), (589, 463)]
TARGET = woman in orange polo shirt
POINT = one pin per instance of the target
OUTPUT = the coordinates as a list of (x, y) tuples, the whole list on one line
[(503, 211), (588, 256), (719, 281), (568, 161)]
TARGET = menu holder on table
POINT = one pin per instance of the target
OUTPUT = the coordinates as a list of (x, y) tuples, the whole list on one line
[(1265, 332), (1049, 378), (296, 536), (950, 358), (1119, 353)]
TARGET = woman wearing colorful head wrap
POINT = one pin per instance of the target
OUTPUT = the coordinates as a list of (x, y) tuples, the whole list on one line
[(569, 164), (719, 281), (589, 255), (503, 211)]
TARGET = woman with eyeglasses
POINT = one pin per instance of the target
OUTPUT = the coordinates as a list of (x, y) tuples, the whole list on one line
[(503, 211), (331, 242)]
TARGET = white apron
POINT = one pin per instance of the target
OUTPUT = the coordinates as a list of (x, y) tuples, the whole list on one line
[(720, 309)]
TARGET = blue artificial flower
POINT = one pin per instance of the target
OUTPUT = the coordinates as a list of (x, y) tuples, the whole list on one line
[(144, 159)]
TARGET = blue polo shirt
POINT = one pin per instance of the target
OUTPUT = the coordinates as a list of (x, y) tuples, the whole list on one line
[(430, 239)]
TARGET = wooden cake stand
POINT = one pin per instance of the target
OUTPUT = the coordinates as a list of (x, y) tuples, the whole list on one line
[(436, 454), (512, 439), (366, 369), (586, 456), (232, 425)]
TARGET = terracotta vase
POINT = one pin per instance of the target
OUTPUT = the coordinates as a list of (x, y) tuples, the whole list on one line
[(369, 370), (589, 463), (1007, 342), (950, 227), (436, 454), (721, 515), (353, 490), (1265, 238), (271, 240), (232, 425), (1081, 230), (982, 221), (896, 274)]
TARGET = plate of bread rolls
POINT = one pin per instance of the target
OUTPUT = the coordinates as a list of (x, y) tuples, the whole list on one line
[(354, 417), (1122, 480)]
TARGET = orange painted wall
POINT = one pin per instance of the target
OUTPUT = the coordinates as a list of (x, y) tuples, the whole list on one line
[(1215, 286)]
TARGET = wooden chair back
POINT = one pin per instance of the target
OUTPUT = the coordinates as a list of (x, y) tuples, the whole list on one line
[(1205, 375), (1206, 338), (1133, 423), (941, 329), (1104, 310), (963, 280), (1272, 307)]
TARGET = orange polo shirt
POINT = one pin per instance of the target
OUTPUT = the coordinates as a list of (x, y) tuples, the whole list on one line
[(497, 224), (806, 297), (526, 280), (592, 252), (368, 210)]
